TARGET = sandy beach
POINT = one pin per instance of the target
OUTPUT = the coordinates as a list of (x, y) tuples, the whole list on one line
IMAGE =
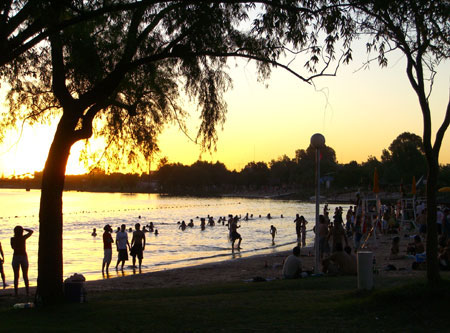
[(267, 266)]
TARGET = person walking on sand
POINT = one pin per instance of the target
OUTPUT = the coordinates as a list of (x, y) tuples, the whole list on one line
[(122, 246), (107, 248), (2, 260), (20, 258), (273, 232), (138, 245)]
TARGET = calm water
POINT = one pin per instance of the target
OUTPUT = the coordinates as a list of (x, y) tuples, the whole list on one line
[(84, 211)]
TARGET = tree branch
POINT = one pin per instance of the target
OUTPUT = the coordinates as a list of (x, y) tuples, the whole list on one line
[(441, 132), (58, 74)]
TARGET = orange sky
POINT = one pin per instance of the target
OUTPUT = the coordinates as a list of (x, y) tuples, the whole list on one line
[(359, 112)]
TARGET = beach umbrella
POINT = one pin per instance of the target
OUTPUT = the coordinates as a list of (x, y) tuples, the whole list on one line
[(444, 189), (376, 187), (413, 188)]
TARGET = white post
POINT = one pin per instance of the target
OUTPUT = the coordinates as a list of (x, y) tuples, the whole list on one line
[(317, 141)]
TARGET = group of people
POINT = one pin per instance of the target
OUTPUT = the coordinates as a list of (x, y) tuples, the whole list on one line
[(136, 247), (341, 262), (19, 259)]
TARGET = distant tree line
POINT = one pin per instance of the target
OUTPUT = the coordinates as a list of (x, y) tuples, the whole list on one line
[(399, 163), (402, 160)]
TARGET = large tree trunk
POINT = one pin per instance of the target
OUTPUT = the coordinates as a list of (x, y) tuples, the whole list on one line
[(432, 238), (50, 256)]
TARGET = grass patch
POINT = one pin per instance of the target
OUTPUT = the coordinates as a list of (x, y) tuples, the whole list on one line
[(322, 304)]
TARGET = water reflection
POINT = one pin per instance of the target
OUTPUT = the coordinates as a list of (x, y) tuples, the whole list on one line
[(172, 248), (236, 254)]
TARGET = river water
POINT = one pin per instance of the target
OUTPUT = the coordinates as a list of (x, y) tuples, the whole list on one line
[(171, 248)]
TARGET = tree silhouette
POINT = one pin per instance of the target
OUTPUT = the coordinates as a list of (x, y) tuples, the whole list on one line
[(119, 76)]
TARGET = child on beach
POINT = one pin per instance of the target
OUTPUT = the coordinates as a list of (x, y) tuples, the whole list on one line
[(273, 232)]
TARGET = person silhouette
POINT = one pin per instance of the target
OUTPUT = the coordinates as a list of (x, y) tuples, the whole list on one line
[(20, 258)]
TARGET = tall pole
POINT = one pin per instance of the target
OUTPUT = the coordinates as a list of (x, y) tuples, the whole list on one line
[(316, 241), (317, 141)]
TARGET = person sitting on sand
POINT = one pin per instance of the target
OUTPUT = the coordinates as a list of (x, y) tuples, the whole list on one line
[(273, 232), (416, 247), (339, 262), (138, 245), (234, 235), (395, 249), (191, 223), (292, 267), (94, 232)]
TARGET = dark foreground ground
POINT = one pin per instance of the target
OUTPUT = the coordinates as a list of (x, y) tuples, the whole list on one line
[(398, 304)]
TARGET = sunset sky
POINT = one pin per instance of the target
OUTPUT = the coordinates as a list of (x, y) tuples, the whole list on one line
[(360, 112)]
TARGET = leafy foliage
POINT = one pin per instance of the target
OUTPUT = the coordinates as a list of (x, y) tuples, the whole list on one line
[(123, 74)]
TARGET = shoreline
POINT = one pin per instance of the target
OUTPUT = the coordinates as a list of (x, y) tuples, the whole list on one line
[(266, 265), (244, 269)]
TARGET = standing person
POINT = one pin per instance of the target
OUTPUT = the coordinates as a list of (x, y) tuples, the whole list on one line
[(122, 245), (349, 222), (338, 234), (2, 260), (234, 235), (20, 258), (138, 245), (303, 224), (357, 233), (273, 232), (297, 226), (323, 237), (107, 248)]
